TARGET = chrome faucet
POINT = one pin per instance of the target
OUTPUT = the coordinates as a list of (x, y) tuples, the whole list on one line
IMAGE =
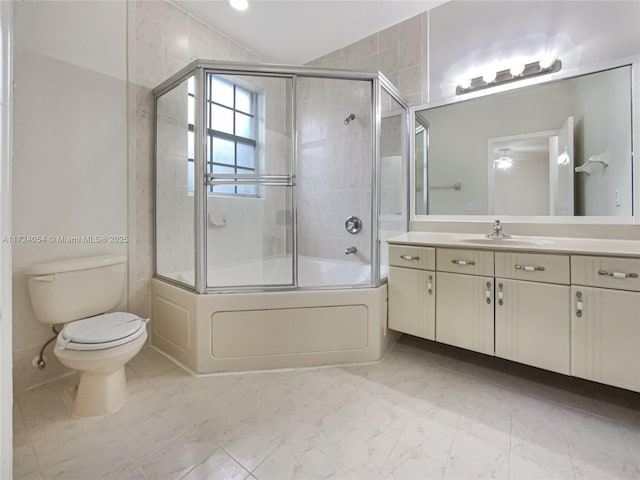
[(350, 250), (497, 231)]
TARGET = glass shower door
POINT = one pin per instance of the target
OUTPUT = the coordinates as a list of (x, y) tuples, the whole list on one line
[(249, 181)]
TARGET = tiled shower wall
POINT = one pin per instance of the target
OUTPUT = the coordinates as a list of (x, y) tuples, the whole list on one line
[(399, 52), (334, 167), (162, 40)]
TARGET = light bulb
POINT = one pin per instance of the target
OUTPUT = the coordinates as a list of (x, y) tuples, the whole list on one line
[(546, 61), (464, 82), (504, 163), (239, 4), (516, 69), (489, 77)]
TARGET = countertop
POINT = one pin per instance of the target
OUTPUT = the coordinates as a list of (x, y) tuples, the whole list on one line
[(581, 246)]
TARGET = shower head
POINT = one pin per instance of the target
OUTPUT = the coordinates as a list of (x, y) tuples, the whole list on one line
[(347, 120)]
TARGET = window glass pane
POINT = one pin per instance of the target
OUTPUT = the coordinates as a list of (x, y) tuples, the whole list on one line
[(222, 119), (244, 125), (223, 151), (246, 156), (190, 145), (191, 110), (244, 100), (222, 188), (248, 190), (191, 85), (190, 177), (221, 91)]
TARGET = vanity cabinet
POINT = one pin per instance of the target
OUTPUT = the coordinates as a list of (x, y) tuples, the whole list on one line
[(605, 326), (464, 299), (573, 314), (412, 286), (532, 317)]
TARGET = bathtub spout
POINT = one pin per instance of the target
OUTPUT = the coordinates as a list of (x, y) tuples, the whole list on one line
[(350, 250)]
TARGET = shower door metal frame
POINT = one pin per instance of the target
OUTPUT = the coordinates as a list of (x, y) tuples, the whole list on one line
[(382, 83), (200, 68)]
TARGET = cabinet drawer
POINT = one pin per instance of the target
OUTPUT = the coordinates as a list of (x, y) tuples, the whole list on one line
[(409, 256), (606, 272), (472, 262), (533, 266)]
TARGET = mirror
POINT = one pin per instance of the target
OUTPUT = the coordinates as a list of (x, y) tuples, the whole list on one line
[(560, 148)]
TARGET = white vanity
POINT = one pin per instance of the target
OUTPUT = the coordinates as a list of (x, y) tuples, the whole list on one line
[(562, 304)]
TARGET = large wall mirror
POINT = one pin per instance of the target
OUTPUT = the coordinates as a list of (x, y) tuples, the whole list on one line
[(560, 148)]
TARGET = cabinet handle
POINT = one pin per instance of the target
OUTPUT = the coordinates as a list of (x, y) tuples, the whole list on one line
[(488, 292), (579, 304), (463, 262), (430, 285), (529, 268), (500, 295), (409, 257), (618, 274)]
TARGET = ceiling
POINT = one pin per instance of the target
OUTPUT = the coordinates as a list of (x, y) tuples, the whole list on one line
[(298, 31)]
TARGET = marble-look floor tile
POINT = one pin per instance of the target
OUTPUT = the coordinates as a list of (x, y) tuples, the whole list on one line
[(218, 465), (410, 463), (475, 457), (416, 415), (296, 459)]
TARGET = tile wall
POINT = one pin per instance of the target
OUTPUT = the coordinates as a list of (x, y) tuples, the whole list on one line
[(162, 40)]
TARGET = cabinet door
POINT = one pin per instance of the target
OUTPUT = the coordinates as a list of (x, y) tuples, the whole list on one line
[(412, 301), (605, 335), (464, 311), (533, 324)]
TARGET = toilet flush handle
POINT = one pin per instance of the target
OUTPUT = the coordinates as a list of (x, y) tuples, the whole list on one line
[(45, 278)]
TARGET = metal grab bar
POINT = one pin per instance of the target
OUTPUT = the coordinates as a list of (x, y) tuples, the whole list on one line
[(618, 274), (212, 179)]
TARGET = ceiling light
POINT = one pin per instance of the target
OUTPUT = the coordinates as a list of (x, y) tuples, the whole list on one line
[(239, 4), (504, 162)]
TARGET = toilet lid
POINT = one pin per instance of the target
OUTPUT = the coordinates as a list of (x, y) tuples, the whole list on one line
[(102, 331)]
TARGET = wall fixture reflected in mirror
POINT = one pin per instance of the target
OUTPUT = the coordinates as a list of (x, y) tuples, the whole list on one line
[(559, 148)]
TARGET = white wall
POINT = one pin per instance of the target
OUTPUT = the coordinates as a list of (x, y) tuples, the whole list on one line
[(6, 387), (70, 145), (467, 38)]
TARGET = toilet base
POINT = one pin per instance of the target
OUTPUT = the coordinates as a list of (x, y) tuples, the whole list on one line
[(102, 387), (98, 393)]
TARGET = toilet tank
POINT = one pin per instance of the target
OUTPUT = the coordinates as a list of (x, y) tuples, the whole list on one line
[(75, 288)]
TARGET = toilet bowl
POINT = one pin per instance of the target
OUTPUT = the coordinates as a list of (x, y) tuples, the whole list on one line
[(77, 292), (98, 349)]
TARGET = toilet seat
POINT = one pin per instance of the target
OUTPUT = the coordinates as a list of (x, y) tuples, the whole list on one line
[(102, 331)]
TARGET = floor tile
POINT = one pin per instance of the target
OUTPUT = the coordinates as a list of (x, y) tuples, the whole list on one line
[(419, 414)]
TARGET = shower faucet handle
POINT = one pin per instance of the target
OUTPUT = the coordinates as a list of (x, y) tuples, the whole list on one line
[(353, 224)]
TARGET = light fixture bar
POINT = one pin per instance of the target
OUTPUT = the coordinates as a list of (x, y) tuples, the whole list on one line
[(530, 70)]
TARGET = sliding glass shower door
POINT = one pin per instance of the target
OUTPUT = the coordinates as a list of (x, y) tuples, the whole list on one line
[(248, 180)]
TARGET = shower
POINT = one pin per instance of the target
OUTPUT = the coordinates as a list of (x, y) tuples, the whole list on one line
[(255, 266), (253, 182)]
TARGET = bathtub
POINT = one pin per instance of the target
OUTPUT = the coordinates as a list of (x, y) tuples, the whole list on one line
[(312, 272), (227, 332)]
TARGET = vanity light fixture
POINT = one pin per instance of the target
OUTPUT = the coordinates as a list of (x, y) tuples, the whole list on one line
[(239, 4), (515, 73)]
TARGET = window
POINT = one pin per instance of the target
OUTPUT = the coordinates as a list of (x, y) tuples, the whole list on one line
[(231, 132)]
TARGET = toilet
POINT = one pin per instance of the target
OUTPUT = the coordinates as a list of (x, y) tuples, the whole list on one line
[(81, 294)]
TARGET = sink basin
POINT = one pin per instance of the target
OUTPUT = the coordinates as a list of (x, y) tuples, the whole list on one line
[(503, 242)]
